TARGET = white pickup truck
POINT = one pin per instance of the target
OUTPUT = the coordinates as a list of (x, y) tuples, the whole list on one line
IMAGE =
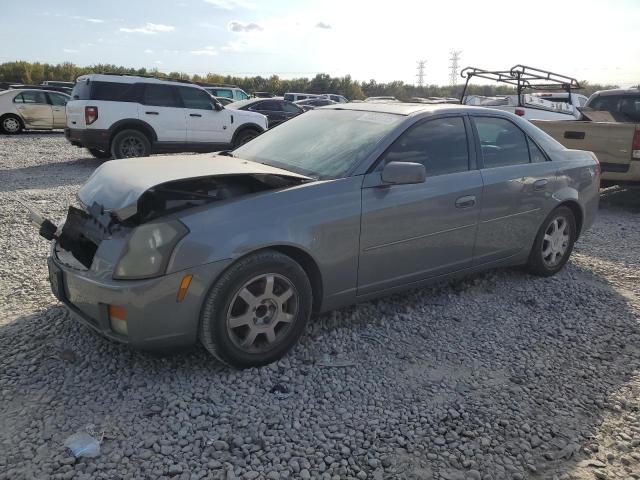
[(530, 106), (539, 94)]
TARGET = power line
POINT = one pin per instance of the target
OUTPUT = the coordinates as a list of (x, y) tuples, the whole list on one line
[(453, 69), (420, 75)]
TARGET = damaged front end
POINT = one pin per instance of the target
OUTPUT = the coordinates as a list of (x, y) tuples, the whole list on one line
[(133, 237)]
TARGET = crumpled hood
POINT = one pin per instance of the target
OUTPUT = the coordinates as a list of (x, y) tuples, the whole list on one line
[(117, 185)]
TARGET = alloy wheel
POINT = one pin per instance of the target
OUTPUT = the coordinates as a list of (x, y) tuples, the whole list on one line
[(556, 241), (262, 312), (132, 147)]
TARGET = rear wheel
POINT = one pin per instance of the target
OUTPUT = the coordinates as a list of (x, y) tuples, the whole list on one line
[(244, 137), (99, 153), (130, 143), (257, 310), (11, 124), (554, 243)]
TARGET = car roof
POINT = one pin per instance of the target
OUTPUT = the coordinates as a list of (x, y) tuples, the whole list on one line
[(242, 103), (399, 108), (101, 77), (618, 91), (18, 90)]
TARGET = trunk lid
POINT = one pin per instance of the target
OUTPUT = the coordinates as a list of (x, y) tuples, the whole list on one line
[(117, 185)]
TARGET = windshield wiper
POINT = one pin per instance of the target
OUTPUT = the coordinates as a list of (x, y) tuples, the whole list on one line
[(226, 153)]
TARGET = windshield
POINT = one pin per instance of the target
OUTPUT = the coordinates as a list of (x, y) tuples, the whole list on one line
[(320, 143)]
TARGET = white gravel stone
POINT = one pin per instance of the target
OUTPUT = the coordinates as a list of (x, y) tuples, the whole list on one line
[(496, 375)]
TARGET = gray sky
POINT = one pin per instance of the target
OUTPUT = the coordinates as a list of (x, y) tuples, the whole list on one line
[(592, 40)]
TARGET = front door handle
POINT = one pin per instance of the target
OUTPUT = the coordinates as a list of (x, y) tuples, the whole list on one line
[(466, 201), (540, 185), (195, 115), (151, 113)]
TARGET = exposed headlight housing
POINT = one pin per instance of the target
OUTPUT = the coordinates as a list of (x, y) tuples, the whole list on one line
[(149, 249)]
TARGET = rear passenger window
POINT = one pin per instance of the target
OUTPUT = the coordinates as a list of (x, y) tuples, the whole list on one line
[(270, 105), (291, 108), (32, 98), (160, 95), (535, 153), (440, 145), (114, 91), (501, 142), (195, 98)]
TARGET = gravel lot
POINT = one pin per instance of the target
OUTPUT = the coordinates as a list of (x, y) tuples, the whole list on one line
[(494, 376)]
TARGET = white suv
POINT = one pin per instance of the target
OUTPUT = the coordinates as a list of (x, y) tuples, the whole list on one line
[(130, 116)]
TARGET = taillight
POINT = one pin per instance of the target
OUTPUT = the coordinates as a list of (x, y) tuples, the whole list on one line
[(598, 169), (635, 146), (90, 115), (519, 112)]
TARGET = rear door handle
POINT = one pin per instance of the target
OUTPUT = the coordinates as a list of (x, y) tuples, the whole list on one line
[(466, 201), (195, 115), (540, 185), (151, 113)]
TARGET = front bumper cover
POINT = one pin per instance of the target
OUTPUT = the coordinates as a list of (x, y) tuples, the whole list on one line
[(154, 317)]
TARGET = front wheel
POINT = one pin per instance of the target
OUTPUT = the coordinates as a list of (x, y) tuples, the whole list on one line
[(130, 143), (11, 124), (257, 310), (554, 243), (244, 137)]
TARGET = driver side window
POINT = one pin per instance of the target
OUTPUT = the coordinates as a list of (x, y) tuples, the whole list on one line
[(440, 145)]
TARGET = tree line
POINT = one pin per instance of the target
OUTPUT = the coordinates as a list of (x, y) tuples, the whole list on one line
[(35, 73)]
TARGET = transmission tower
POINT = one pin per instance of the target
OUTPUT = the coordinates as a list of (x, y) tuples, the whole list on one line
[(420, 75), (453, 69)]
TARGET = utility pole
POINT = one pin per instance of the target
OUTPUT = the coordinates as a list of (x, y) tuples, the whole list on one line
[(453, 69), (420, 75)]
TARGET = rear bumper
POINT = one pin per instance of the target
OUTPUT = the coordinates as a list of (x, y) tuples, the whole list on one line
[(623, 174), (155, 319), (88, 138)]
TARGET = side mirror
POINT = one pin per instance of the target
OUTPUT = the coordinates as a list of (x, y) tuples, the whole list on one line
[(401, 173), (217, 106)]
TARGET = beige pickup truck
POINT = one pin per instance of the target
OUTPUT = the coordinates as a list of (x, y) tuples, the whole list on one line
[(611, 129)]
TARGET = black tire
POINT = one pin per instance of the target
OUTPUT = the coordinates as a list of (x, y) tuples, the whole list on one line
[(541, 265), (221, 340), (129, 144), (244, 137), (99, 153), (13, 124)]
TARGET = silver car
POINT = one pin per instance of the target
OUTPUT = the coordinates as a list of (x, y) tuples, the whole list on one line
[(334, 207), (23, 109)]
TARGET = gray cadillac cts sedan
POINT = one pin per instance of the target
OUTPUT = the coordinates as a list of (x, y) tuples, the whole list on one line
[(336, 206)]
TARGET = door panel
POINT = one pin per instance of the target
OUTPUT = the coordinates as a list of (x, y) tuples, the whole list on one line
[(58, 106), (205, 124), (34, 108), (208, 126), (518, 185), (516, 200), (413, 232), (162, 110)]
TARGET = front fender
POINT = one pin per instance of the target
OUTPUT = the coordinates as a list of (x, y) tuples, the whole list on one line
[(321, 219)]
